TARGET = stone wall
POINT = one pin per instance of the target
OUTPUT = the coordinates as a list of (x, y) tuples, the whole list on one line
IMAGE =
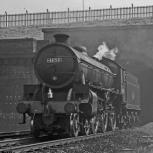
[(21, 32)]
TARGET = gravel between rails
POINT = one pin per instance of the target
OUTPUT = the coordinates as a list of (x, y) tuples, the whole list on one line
[(128, 141)]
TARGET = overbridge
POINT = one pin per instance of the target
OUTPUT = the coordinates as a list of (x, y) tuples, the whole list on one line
[(129, 29)]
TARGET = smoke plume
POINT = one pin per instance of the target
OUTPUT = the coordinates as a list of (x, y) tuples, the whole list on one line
[(104, 51)]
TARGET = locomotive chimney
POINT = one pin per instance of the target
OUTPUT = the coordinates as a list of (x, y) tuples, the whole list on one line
[(61, 38)]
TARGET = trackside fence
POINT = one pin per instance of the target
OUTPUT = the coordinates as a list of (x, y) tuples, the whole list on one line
[(50, 18)]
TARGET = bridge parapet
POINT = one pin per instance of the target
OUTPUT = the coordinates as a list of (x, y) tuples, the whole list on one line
[(70, 17)]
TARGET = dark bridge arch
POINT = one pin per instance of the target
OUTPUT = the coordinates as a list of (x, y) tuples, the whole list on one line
[(145, 76)]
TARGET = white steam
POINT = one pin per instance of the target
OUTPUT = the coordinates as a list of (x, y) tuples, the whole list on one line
[(104, 51)]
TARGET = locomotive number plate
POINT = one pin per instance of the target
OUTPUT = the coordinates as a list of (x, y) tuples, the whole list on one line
[(54, 60)]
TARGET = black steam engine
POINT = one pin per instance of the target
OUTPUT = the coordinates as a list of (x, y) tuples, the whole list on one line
[(79, 94)]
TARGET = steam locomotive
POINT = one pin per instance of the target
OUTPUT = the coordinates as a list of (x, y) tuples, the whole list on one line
[(78, 94)]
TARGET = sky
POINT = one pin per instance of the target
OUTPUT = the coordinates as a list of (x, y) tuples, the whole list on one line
[(33, 6)]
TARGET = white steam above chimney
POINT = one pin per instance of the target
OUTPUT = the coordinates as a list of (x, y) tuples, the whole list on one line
[(104, 51)]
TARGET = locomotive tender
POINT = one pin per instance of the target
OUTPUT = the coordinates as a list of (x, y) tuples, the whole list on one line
[(77, 93)]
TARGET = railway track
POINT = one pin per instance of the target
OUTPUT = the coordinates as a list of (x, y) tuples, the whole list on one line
[(44, 144), (14, 134), (14, 142), (49, 145), (8, 143)]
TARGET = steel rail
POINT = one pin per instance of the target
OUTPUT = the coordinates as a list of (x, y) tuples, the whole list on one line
[(14, 142), (13, 134)]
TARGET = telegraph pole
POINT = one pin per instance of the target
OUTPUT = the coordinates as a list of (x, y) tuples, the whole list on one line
[(83, 5), (83, 8)]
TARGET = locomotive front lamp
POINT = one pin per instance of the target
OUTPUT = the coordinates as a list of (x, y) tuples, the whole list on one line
[(50, 93), (54, 78)]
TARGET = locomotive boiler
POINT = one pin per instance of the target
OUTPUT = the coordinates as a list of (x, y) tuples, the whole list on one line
[(77, 93)]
